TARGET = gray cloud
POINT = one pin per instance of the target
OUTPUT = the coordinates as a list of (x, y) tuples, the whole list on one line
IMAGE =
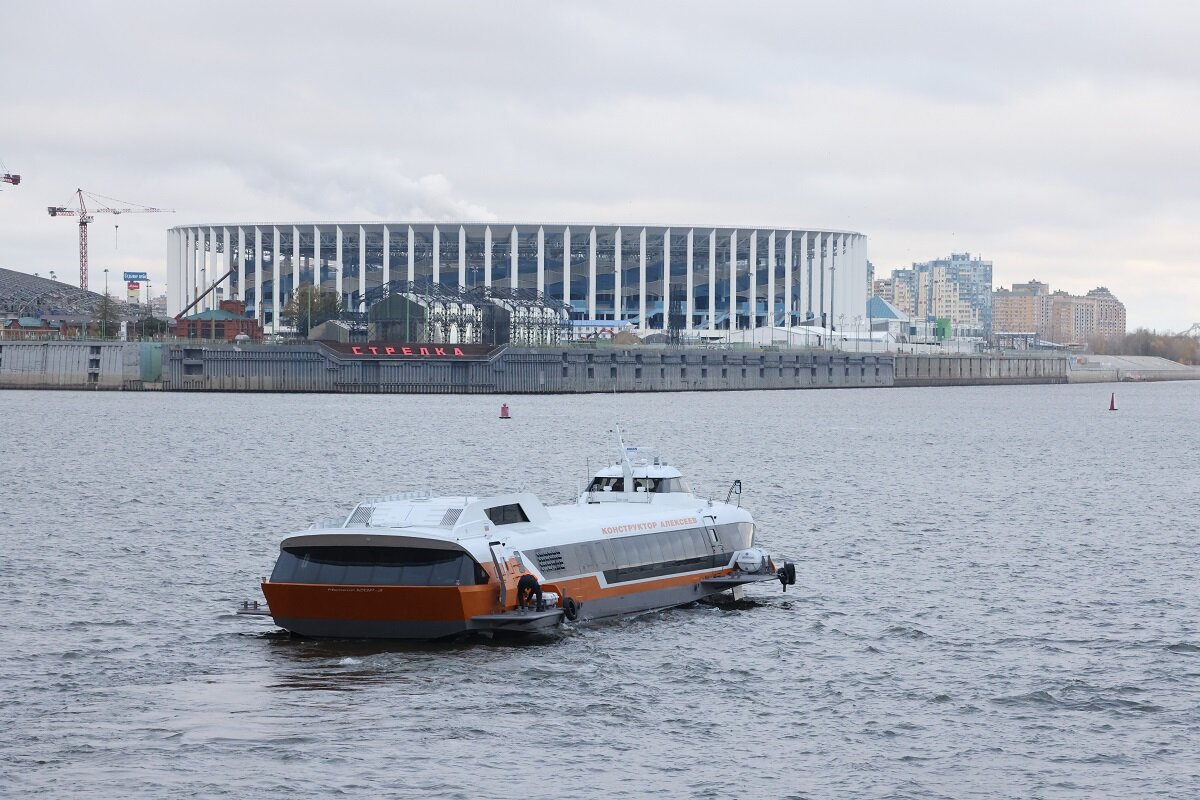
[(1056, 139)]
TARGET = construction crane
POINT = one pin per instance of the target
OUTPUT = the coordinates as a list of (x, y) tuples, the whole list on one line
[(85, 216)]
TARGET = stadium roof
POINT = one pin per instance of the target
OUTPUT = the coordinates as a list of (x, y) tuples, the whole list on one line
[(30, 296)]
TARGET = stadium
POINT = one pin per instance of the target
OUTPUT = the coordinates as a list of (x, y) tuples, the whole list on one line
[(647, 278)]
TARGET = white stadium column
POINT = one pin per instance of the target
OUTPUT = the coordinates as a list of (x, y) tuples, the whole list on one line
[(227, 261), (241, 263), (487, 256), (862, 269), (514, 255), (188, 250), (193, 280), (808, 242), (295, 259), (591, 298), (178, 293), (462, 257), (771, 258), (412, 255), (752, 275), (214, 265), (618, 300), (361, 305), (666, 281), (172, 272), (275, 282), (185, 295), (690, 280), (317, 257), (566, 266), (788, 319), (712, 279), (258, 272), (202, 263), (337, 267), (541, 260), (387, 255), (804, 296), (642, 281), (437, 254), (172, 260), (733, 280)]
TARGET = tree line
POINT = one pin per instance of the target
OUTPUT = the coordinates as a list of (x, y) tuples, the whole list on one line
[(1143, 342)]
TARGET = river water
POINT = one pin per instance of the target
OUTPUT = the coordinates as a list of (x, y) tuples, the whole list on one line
[(997, 597)]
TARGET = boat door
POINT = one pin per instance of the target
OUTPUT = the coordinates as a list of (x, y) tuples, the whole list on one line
[(714, 539)]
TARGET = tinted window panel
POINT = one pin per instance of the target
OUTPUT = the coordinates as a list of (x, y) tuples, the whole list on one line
[(506, 515), (377, 566)]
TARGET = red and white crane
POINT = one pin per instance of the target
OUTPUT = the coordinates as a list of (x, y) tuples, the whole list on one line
[(85, 216)]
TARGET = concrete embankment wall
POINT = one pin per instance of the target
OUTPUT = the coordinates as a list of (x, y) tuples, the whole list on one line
[(184, 366), (71, 365), (314, 368), (978, 370)]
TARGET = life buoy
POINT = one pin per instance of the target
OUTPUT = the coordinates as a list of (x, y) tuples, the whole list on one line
[(570, 609), (529, 592)]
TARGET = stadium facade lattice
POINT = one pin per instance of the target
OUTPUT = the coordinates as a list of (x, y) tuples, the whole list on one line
[(651, 277)]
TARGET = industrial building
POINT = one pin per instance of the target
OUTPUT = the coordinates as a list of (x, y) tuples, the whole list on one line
[(691, 279)]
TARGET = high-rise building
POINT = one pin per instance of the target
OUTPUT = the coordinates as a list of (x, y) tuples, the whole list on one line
[(1059, 317), (1110, 313), (958, 288), (1023, 309)]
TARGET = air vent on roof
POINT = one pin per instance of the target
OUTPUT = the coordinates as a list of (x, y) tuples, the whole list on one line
[(361, 516), (451, 517), (549, 560)]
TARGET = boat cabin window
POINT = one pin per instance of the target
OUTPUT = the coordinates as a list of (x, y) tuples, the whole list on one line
[(377, 566), (617, 484), (506, 515)]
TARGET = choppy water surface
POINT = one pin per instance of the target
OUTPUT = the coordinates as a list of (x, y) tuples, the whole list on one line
[(997, 598)]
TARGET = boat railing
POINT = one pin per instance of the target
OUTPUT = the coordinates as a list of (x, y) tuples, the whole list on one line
[(328, 522)]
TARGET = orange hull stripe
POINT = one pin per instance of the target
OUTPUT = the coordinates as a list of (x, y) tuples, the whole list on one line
[(437, 603)]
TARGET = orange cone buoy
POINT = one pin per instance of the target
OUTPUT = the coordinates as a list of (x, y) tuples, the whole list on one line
[(504, 411), (1112, 402)]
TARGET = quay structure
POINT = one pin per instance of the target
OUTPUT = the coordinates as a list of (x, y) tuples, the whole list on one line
[(693, 279), (346, 368)]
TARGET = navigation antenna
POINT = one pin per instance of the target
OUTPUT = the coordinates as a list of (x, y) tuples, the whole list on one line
[(625, 462)]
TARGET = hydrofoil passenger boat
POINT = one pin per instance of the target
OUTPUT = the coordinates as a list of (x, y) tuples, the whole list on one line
[(415, 566)]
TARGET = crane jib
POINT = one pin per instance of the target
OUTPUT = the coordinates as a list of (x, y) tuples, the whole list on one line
[(85, 216)]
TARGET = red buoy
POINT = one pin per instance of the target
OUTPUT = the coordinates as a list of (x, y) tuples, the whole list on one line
[(1112, 402), (504, 411)]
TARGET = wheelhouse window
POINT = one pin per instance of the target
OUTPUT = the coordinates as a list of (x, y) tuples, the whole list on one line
[(617, 484), (506, 515), (377, 566)]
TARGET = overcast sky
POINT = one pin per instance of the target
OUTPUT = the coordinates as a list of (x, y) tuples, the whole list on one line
[(1059, 140)]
